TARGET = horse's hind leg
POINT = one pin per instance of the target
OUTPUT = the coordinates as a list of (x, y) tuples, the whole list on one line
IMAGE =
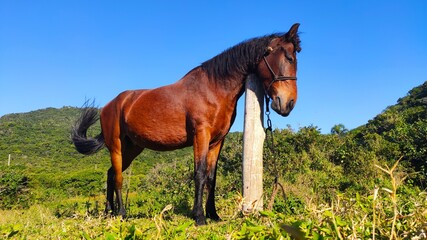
[(109, 208), (129, 152), (120, 161)]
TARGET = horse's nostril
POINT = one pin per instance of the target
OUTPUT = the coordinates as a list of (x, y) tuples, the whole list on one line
[(279, 103), (291, 104)]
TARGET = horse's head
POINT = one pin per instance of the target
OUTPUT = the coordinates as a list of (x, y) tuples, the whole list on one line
[(277, 70)]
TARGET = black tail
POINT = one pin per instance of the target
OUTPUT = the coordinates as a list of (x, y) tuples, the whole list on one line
[(79, 137)]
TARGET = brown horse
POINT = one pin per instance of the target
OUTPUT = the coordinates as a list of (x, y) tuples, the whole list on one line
[(197, 111)]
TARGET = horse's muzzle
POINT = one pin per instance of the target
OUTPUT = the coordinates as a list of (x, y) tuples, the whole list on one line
[(283, 108)]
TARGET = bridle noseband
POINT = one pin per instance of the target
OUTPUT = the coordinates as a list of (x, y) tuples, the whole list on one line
[(276, 78)]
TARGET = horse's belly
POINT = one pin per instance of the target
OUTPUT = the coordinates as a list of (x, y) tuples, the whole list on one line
[(159, 134), (165, 141)]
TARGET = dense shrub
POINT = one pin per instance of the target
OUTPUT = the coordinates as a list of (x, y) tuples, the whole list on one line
[(14, 188)]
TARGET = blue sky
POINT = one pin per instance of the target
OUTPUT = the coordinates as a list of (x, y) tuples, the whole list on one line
[(358, 57)]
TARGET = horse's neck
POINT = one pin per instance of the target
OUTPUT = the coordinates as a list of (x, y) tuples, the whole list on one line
[(231, 88)]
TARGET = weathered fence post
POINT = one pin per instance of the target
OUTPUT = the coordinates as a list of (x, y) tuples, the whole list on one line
[(8, 161), (253, 141)]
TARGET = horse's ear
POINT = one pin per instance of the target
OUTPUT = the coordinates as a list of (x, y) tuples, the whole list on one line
[(292, 31)]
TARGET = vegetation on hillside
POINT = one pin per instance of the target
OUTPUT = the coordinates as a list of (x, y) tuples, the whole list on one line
[(364, 183)]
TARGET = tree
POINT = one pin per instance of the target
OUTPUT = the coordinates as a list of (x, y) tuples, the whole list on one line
[(339, 129)]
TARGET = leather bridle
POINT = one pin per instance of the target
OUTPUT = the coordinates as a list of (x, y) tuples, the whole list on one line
[(276, 78)]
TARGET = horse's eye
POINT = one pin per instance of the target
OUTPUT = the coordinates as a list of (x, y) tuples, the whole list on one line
[(289, 58)]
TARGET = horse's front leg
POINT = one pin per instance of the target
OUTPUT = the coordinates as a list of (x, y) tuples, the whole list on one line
[(201, 146), (211, 180)]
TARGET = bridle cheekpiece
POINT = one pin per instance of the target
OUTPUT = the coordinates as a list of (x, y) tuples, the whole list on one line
[(276, 78)]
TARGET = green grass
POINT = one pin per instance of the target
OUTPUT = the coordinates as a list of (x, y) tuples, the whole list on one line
[(379, 214)]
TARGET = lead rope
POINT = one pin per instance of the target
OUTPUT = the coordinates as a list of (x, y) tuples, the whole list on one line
[(270, 145)]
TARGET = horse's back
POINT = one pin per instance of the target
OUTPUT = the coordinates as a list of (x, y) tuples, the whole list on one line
[(167, 118)]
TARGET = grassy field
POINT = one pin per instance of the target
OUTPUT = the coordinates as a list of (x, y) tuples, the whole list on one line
[(162, 213)]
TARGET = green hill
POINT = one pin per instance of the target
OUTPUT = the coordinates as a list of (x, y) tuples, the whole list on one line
[(402, 131), (39, 133)]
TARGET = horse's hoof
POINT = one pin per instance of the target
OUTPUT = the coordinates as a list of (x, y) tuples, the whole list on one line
[(200, 221), (122, 213), (108, 213), (213, 216)]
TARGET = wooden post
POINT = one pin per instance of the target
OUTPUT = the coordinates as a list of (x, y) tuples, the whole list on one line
[(8, 161), (253, 141)]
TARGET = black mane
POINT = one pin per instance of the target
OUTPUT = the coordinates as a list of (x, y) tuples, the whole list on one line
[(242, 58)]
